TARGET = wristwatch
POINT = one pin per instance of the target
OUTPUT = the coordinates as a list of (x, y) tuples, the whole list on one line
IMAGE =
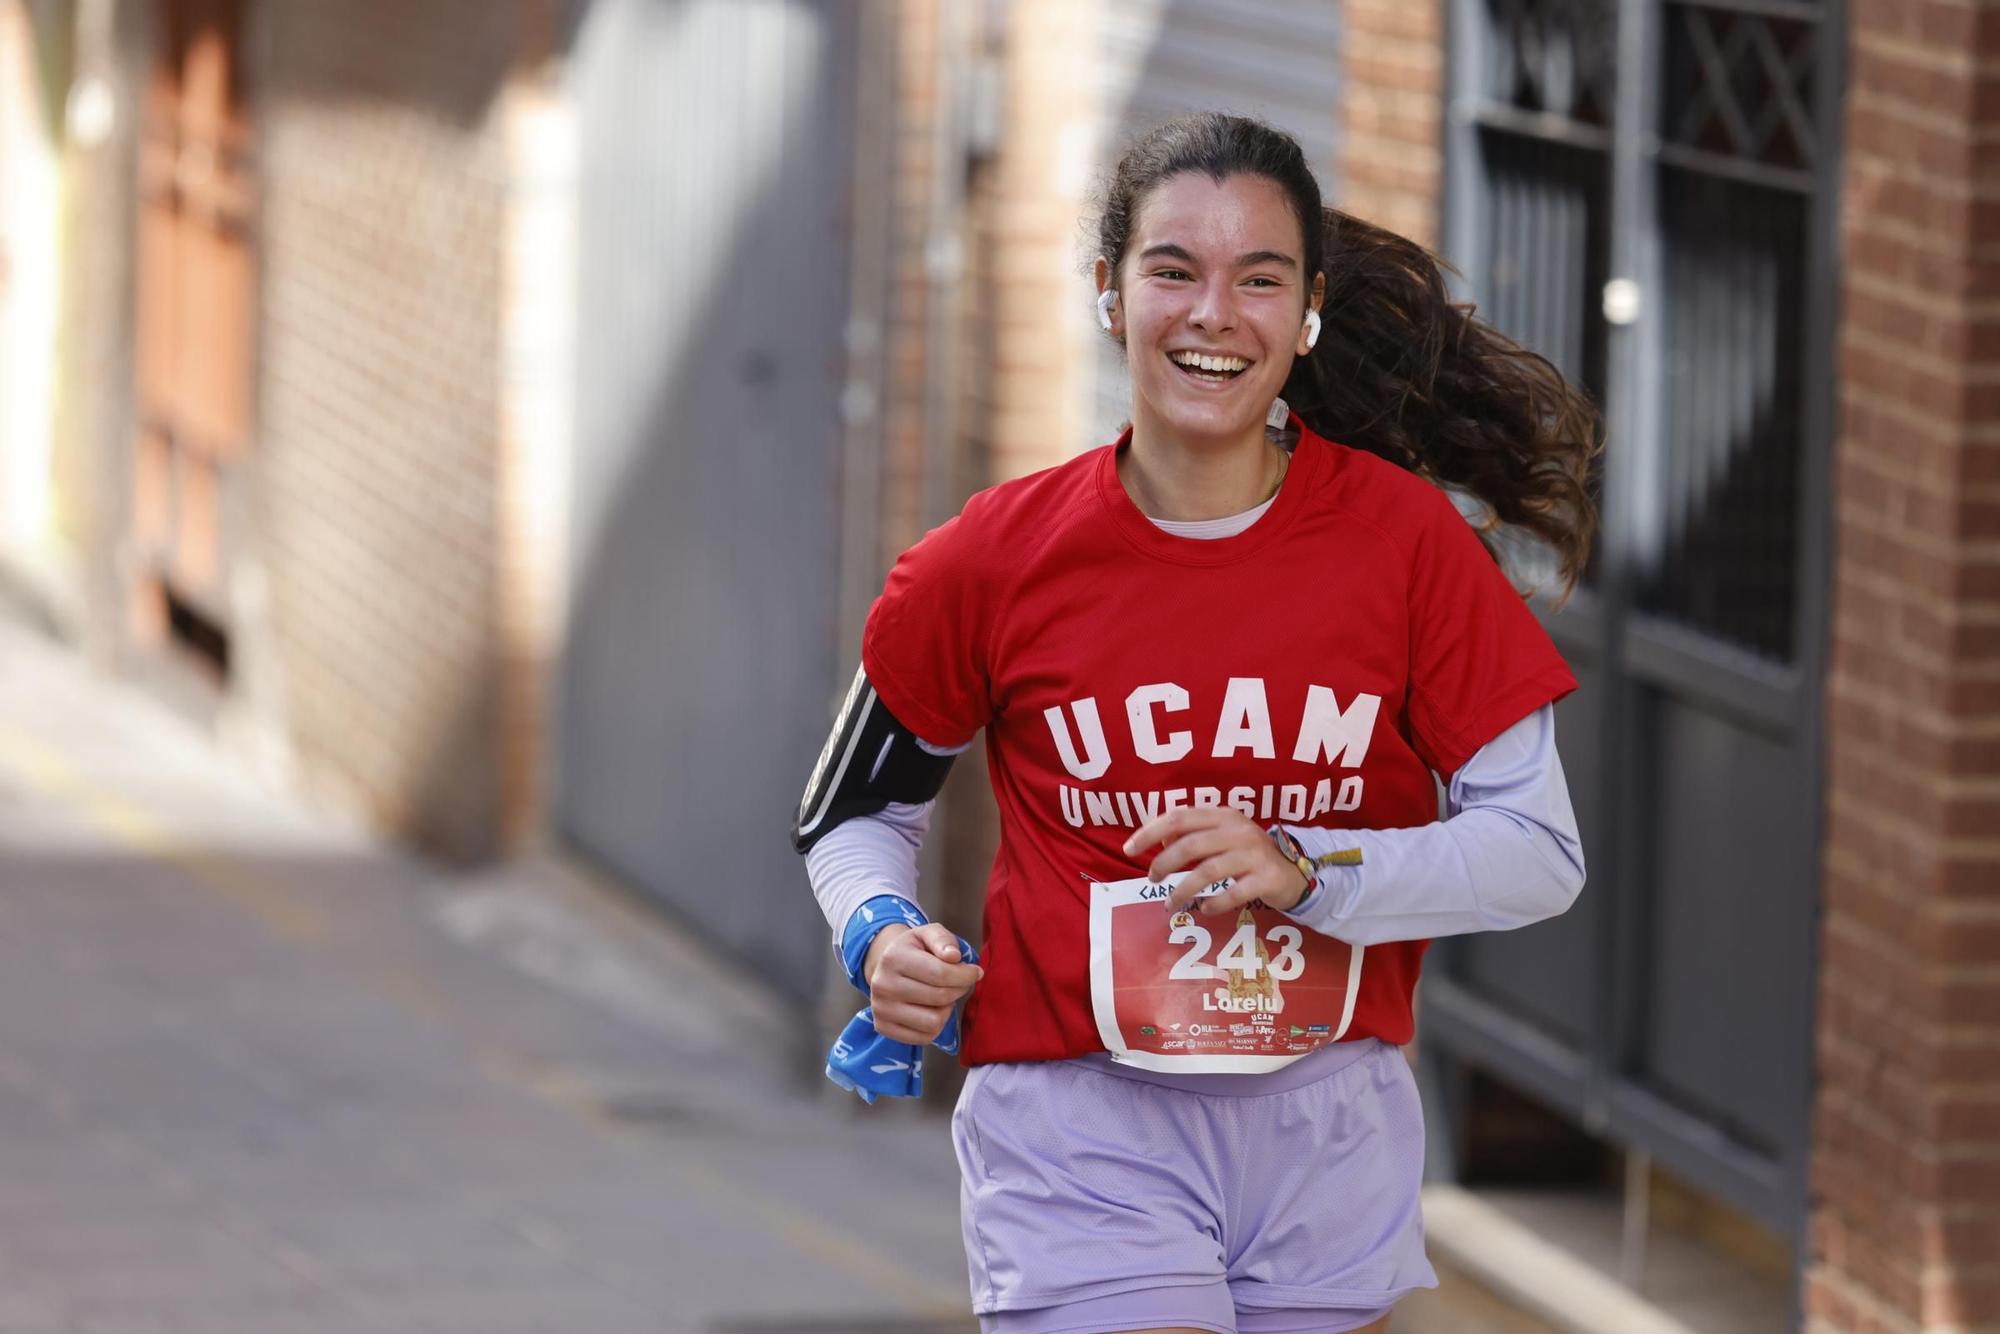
[(1310, 867)]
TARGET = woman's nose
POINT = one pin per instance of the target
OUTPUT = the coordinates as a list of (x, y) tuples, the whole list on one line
[(1213, 309)]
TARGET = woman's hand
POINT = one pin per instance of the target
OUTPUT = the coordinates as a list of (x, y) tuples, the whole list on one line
[(914, 978), (1218, 843)]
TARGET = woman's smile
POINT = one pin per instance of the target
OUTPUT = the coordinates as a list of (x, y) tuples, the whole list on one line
[(1209, 368)]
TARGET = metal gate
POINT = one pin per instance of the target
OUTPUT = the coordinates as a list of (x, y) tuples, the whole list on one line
[(1644, 192), (715, 162)]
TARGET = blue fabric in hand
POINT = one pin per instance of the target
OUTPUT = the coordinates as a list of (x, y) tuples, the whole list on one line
[(861, 1059)]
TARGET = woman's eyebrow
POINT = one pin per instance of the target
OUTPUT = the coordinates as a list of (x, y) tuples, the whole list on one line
[(1168, 250), (1256, 257)]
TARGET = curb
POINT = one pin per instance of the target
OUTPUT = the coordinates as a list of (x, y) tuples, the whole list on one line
[(1531, 1274)]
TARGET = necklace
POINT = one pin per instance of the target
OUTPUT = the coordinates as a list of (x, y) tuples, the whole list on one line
[(1284, 466)]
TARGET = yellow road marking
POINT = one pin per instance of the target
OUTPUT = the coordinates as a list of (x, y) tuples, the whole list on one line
[(139, 830)]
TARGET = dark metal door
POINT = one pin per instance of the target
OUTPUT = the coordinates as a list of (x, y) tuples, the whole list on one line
[(1644, 192), (715, 140)]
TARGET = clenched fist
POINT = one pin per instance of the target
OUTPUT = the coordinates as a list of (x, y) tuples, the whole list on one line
[(914, 978)]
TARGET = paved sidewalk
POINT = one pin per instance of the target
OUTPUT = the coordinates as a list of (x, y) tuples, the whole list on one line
[(259, 1074)]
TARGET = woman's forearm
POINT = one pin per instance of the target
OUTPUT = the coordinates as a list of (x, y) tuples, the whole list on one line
[(867, 856), (1507, 855)]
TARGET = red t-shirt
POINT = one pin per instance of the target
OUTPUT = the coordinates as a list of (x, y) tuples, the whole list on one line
[(1313, 669)]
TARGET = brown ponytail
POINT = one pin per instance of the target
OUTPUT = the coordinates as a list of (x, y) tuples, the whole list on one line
[(1403, 371)]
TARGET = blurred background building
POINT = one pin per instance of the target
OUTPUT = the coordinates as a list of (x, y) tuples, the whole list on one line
[(493, 420)]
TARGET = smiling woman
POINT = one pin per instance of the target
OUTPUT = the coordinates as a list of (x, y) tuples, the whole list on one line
[(1187, 1108)]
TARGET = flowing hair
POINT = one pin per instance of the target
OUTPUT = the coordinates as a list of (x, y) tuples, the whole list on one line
[(1400, 369)]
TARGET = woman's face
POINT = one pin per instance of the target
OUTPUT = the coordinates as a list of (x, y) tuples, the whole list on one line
[(1214, 270)]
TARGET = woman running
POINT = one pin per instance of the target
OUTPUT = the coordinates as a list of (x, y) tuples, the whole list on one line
[(1218, 663)]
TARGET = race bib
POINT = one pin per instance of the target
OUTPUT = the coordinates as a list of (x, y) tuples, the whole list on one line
[(1241, 992)]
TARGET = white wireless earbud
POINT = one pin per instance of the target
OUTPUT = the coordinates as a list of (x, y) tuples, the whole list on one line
[(1312, 328), (1105, 300)]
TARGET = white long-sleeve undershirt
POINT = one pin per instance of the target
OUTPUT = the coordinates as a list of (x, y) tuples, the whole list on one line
[(1506, 854), (866, 856)]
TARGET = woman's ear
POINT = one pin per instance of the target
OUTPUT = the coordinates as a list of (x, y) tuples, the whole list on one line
[(1109, 317), (1309, 331)]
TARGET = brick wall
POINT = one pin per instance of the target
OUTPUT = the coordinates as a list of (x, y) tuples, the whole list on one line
[(908, 327), (1392, 115), (1906, 1155), (1043, 327), (1017, 341), (383, 180)]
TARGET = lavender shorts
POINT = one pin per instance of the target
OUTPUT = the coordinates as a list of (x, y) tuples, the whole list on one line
[(1098, 1197)]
